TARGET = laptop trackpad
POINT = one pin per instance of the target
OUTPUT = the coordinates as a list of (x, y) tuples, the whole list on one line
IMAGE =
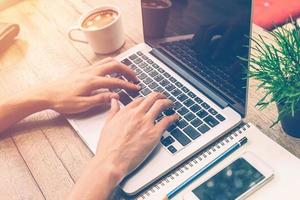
[(89, 125)]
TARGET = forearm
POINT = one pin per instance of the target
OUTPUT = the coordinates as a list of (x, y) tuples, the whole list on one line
[(97, 181), (20, 106)]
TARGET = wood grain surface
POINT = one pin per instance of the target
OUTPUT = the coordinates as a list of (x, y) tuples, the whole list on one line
[(41, 157)]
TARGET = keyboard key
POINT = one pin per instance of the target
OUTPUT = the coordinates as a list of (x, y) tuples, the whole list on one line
[(148, 69), (164, 82), (190, 131), (185, 90), (202, 113), (198, 100), (176, 92), (170, 87), (220, 117), (159, 89), (203, 128), (171, 127), (144, 57), (161, 70), (195, 108), (147, 80), (177, 105), (153, 73), (180, 137), (166, 94), (183, 111), (139, 53), (196, 122), (190, 116), (142, 65), (181, 123), (205, 105), (172, 149), (191, 94), (188, 102), (142, 76), (167, 141), (155, 66), (158, 78), (173, 99), (138, 71), (142, 85), (182, 97), (133, 93), (153, 85), (138, 61), (167, 75), (124, 98), (133, 66), (211, 121), (172, 79), (169, 112), (126, 61), (150, 61), (145, 91), (178, 84), (212, 111)]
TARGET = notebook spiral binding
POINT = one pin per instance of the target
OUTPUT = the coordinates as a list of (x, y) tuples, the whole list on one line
[(187, 165)]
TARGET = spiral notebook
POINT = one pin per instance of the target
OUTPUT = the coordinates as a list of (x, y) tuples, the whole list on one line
[(177, 176), (273, 154)]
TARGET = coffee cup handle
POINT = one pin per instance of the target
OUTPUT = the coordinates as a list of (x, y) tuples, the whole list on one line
[(71, 30)]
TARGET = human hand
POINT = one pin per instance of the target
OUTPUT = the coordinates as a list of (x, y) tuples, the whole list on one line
[(130, 134), (75, 92)]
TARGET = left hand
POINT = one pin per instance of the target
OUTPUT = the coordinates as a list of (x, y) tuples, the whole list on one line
[(75, 92)]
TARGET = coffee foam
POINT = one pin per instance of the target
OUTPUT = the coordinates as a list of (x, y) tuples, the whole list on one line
[(99, 19)]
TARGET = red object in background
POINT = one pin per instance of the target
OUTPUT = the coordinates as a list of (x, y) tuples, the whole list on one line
[(269, 12)]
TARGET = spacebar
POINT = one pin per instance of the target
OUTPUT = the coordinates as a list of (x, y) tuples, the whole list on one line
[(124, 98)]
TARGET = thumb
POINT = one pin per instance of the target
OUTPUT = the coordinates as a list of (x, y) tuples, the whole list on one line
[(114, 109)]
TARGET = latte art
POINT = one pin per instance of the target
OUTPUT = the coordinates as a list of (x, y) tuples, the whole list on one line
[(99, 19)]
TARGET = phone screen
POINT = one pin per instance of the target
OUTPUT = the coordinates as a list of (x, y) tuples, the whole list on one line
[(229, 183)]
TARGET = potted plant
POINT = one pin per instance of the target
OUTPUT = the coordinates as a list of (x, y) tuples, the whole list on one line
[(276, 65)]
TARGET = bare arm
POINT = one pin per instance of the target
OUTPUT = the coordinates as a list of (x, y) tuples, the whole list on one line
[(72, 93)]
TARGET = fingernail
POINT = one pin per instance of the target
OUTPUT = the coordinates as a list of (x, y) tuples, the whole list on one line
[(138, 87)]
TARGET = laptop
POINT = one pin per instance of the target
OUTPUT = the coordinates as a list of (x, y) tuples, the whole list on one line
[(191, 54)]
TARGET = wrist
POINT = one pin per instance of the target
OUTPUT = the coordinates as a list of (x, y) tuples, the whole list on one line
[(112, 169)]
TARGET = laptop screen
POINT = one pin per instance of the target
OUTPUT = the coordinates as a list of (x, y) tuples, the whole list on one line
[(206, 38)]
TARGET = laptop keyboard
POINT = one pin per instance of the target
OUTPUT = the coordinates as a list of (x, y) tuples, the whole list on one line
[(182, 49), (196, 116)]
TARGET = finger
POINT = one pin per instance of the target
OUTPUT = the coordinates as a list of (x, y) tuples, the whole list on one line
[(150, 100), (165, 122), (101, 98), (136, 102), (112, 83), (114, 109), (159, 106), (116, 67)]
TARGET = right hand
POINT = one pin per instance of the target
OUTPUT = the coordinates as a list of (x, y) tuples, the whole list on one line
[(130, 134)]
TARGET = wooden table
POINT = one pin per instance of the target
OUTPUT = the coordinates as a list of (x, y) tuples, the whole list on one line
[(43, 157)]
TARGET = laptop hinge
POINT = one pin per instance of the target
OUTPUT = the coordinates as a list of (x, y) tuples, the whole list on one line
[(189, 78)]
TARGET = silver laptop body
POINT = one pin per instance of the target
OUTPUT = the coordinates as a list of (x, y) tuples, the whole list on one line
[(225, 110)]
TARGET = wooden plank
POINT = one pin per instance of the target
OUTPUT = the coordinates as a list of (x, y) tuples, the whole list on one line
[(16, 180), (32, 68)]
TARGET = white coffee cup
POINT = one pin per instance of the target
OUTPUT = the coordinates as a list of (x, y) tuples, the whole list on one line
[(103, 40)]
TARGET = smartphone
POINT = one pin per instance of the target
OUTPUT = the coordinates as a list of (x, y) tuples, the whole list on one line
[(235, 182)]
